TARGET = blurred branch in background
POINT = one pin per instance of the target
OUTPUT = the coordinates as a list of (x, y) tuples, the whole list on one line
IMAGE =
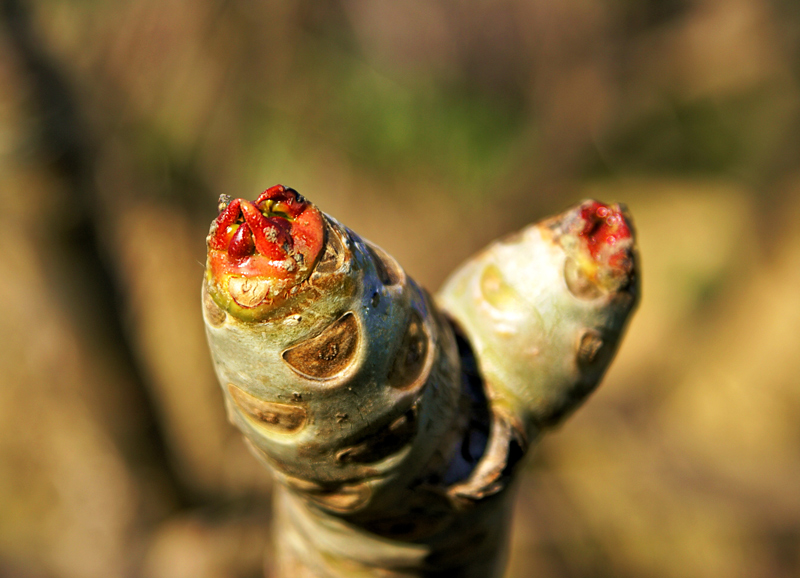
[(421, 124)]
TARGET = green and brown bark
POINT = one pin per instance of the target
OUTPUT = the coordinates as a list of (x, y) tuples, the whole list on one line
[(393, 421)]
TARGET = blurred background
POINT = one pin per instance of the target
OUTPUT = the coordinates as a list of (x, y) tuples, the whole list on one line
[(430, 127)]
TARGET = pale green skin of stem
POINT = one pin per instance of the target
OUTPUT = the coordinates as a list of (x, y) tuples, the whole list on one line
[(311, 542), (524, 325), (248, 355)]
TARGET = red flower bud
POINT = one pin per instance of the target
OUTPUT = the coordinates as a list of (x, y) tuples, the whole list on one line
[(272, 243)]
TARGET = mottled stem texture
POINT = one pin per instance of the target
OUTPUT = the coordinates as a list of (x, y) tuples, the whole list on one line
[(395, 422)]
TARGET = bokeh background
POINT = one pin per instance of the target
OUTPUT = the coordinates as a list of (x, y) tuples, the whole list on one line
[(430, 127)]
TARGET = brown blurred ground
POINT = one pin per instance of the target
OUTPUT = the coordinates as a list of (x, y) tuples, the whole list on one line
[(429, 127)]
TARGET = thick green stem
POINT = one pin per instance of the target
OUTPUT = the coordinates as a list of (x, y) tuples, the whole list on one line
[(394, 425)]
